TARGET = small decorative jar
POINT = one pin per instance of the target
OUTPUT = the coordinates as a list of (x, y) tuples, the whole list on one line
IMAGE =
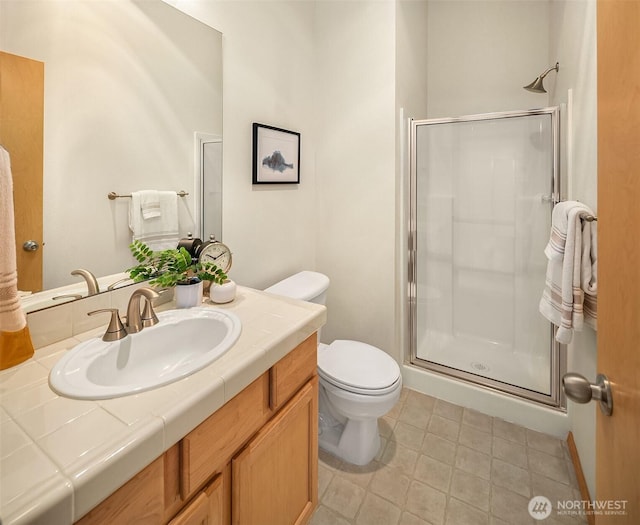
[(223, 293)]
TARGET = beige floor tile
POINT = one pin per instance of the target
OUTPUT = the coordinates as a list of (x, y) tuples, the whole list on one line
[(392, 484), (377, 511), (544, 443), (477, 420), (505, 430), (433, 472), (510, 451), (509, 506), (448, 410), (344, 497), (471, 489), (473, 462), (359, 474), (396, 455), (326, 516), (426, 502), (459, 513), (325, 476), (415, 415), (420, 400), (408, 435), (549, 466), (443, 427), (475, 439), (409, 519), (439, 448), (511, 477)]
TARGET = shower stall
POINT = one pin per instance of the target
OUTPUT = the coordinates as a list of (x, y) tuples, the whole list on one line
[(482, 188)]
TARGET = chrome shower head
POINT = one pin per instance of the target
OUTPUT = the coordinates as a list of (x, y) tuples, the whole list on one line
[(536, 86)]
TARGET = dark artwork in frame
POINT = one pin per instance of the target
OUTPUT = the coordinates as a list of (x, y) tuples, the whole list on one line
[(276, 155)]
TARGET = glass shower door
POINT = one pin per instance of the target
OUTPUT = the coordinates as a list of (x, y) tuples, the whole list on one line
[(482, 191)]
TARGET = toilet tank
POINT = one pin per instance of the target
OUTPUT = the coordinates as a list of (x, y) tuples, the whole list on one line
[(306, 286)]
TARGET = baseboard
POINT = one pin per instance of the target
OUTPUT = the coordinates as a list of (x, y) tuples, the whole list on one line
[(582, 483)]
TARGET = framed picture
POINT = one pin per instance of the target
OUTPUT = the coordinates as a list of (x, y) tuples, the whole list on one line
[(276, 155)]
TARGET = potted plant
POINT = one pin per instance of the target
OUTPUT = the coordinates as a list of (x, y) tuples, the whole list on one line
[(174, 267)]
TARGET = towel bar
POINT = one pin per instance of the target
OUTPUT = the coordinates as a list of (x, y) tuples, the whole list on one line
[(590, 218), (112, 195)]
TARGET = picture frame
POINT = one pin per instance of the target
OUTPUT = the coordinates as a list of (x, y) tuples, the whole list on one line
[(276, 155)]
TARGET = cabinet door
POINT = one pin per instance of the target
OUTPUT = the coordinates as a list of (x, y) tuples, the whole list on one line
[(208, 507), (275, 477)]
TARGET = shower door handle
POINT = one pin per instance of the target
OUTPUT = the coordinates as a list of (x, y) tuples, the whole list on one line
[(579, 389)]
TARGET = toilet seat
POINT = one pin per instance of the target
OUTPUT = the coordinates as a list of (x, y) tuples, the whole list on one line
[(357, 367)]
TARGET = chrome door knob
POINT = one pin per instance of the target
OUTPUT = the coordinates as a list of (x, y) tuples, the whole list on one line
[(579, 389), (30, 246)]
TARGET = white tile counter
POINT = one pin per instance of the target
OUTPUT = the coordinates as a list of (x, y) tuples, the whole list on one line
[(60, 457)]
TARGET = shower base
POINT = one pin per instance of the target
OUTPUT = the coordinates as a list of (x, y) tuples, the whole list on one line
[(486, 359)]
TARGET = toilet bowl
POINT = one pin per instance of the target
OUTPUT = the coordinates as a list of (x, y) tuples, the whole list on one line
[(359, 383)]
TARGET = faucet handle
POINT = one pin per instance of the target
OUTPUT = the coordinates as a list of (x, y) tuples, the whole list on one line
[(116, 330), (149, 317)]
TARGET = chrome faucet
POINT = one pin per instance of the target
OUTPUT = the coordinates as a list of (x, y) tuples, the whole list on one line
[(92, 282), (136, 321)]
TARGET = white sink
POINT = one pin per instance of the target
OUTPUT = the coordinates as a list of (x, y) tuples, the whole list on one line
[(183, 342)]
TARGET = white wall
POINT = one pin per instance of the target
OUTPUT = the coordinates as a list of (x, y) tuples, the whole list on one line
[(355, 165), (269, 78), (573, 44), (482, 52)]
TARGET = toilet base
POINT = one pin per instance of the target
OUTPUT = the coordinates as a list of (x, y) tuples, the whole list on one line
[(356, 442)]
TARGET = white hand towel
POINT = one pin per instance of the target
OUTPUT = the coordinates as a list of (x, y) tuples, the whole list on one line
[(150, 204), (12, 317), (159, 232), (563, 296), (15, 340), (589, 273)]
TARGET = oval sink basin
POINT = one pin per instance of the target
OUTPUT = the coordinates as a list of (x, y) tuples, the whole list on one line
[(183, 342)]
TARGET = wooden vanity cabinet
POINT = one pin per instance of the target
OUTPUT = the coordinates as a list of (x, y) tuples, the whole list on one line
[(253, 461)]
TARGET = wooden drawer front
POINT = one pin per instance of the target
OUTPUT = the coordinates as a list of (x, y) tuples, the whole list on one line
[(207, 448), (207, 508), (293, 371), (139, 501), (275, 477)]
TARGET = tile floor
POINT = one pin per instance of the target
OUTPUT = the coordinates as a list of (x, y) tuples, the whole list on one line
[(441, 464)]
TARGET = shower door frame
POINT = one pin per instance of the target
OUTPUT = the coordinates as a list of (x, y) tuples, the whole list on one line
[(556, 398)]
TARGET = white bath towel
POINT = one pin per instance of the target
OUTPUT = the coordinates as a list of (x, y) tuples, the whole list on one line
[(160, 232), (150, 204), (572, 265), (12, 317)]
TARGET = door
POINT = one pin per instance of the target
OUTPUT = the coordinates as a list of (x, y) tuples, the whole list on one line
[(21, 133), (617, 437), (275, 477)]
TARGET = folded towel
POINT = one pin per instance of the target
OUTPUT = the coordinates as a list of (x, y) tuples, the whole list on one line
[(15, 342), (160, 232), (571, 270), (150, 204)]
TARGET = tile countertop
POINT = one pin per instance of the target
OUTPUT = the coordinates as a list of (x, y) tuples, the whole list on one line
[(60, 457)]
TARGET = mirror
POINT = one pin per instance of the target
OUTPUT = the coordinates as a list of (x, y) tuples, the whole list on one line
[(132, 101)]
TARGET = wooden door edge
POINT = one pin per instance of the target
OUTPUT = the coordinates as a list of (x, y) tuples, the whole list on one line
[(582, 482)]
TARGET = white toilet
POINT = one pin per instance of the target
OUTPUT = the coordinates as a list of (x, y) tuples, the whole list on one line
[(358, 382)]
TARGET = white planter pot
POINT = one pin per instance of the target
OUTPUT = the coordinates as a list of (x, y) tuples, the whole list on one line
[(188, 295), (223, 293)]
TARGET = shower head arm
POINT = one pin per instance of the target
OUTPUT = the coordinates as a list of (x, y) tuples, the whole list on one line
[(552, 68)]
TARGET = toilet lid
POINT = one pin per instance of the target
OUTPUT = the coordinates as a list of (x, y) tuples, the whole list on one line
[(357, 366)]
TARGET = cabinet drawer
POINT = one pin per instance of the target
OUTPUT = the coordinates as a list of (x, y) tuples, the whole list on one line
[(207, 448), (289, 374)]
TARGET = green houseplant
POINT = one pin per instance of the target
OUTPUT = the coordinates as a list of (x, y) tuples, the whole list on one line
[(171, 267)]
